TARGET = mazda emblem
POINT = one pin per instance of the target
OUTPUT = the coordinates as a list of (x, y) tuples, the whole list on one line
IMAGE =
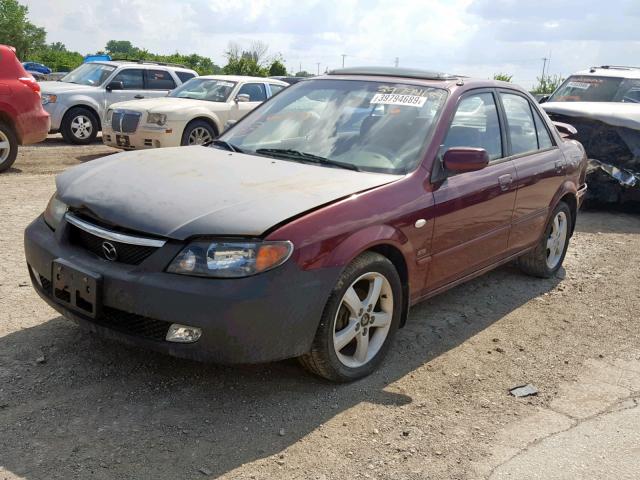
[(109, 251)]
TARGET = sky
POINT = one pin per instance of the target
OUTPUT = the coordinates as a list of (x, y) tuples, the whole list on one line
[(470, 37)]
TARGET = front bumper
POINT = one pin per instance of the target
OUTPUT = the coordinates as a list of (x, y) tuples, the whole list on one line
[(146, 136), (56, 111), (267, 317)]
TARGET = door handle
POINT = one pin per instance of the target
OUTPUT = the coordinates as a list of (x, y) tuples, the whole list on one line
[(139, 96), (505, 181)]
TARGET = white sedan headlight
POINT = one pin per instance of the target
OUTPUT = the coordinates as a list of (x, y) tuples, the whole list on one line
[(47, 98), (157, 118), (54, 213)]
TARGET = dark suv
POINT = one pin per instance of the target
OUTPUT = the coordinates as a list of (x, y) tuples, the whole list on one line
[(302, 232)]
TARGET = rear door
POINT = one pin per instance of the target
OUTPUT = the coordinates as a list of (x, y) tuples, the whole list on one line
[(158, 83), (539, 164), (473, 209)]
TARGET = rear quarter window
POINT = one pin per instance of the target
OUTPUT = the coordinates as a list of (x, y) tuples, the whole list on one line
[(184, 76), (159, 80)]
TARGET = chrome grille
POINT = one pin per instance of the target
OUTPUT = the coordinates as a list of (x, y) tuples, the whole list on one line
[(125, 122)]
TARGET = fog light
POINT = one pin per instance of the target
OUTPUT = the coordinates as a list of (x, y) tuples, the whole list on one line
[(183, 333)]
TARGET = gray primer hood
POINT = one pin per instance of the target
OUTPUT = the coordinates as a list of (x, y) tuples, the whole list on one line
[(613, 113), (185, 191)]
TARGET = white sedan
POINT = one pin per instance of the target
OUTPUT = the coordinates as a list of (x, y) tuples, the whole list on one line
[(192, 114)]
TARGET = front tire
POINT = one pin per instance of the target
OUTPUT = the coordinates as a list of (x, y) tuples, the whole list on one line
[(8, 146), (547, 257), (198, 132), (79, 126), (359, 321)]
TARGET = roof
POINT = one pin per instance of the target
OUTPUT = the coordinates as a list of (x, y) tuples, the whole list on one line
[(395, 72), (611, 71), (244, 78), (143, 64)]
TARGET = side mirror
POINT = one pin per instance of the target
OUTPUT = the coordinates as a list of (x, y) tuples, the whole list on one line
[(115, 86), (243, 97), (565, 130), (465, 159), (544, 98)]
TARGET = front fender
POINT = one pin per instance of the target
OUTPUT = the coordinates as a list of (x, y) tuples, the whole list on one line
[(81, 100), (201, 113)]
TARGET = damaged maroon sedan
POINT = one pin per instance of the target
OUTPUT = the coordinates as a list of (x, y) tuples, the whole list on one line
[(312, 226)]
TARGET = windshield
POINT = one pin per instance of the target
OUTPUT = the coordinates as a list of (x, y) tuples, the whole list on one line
[(597, 89), (204, 89), (92, 74), (372, 126)]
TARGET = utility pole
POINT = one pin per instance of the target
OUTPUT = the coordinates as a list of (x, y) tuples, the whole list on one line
[(397, 62), (544, 66), (318, 64), (300, 67), (343, 55)]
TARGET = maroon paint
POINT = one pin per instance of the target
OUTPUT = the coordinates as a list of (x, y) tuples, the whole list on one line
[(475, 220)]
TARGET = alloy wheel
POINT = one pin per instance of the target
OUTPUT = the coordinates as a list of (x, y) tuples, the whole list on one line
[(5, 147), (81, 127), (556, 240), (363, 320), (199, 136)]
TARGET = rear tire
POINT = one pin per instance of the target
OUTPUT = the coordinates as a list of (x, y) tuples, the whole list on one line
[(547, 257), (79, 126), (8, 146), (359, 321)]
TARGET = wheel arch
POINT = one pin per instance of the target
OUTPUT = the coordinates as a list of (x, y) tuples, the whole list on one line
[(7, 119), (211, 121), (571, 200)]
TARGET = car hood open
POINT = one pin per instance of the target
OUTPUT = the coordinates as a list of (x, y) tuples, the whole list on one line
[(185, 191)]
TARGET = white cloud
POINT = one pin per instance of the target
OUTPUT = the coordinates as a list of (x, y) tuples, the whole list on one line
[(477, 37)]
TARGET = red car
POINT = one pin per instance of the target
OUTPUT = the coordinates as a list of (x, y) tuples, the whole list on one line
[(312, 226), (22, 119)]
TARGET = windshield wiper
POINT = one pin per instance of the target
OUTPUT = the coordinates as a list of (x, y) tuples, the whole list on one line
[(306, 157), (226, 145)]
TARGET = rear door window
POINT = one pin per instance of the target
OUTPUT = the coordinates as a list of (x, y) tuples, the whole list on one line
[(131, 78), (275, 88), (159, 80), (476, 125), (522, 129)]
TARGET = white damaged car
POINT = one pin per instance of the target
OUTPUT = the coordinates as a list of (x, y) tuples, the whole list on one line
[(192, 114)]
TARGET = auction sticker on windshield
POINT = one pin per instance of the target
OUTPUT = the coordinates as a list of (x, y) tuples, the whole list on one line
[(396, 99)]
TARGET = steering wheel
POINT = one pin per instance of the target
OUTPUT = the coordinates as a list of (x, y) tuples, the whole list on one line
[(385, 155)]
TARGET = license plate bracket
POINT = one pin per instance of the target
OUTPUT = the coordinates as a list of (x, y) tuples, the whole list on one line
[(76, 288), (123, 140)]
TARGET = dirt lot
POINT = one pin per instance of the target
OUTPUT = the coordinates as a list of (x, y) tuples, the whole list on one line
[(75, 406)]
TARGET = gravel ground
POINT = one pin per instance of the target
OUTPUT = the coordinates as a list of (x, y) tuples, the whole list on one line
[(73, 406)]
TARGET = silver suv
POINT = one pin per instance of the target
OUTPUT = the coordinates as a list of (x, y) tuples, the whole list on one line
[(78, 101)]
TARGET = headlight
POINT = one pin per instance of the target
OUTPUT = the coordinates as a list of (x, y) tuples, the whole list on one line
[(230, 259), (55, 211), (48, 98), (157, 118)]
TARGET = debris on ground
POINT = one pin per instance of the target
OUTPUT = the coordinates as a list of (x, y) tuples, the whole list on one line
[(527, 390)]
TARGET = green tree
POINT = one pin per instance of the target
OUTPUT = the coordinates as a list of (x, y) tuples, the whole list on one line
[(277, 69), (303, 73), (58, 58), (547, 85), (245, 62), (16, 30), (122, 48), (504, 77)]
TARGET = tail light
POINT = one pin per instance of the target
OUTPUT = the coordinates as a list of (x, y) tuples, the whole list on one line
[(31, 83)]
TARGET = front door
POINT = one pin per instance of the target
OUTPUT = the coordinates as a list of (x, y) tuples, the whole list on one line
[(257, 94), (133, 86), (473, 210)]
